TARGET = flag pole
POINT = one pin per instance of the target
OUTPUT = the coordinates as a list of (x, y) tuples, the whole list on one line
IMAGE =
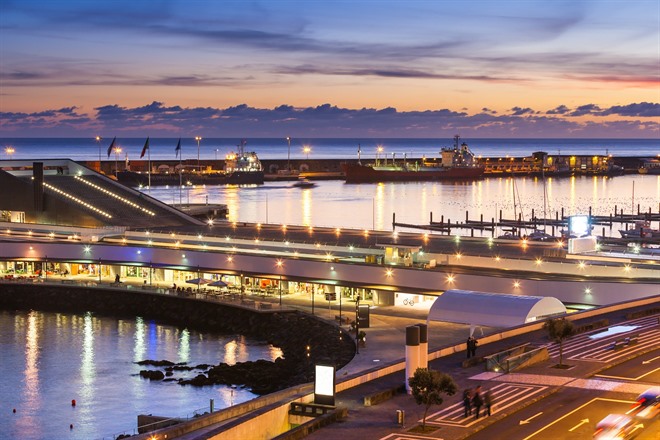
[(149, 157)]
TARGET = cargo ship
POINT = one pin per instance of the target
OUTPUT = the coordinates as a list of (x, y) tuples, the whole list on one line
[(241, 168), (457, 163)]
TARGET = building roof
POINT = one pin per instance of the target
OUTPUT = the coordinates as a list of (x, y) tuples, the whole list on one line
[(492, 309)]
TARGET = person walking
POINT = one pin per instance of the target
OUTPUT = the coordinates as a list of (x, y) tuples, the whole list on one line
[(477, 402), (467, 402), (469, 347), (488, 401)]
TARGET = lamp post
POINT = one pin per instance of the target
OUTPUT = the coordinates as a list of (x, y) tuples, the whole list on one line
[(117, 151), (288, 155), (98, 144), (357, 324), (198, 138), (306, 150), (216, 154), (9, 151), (378, 151)]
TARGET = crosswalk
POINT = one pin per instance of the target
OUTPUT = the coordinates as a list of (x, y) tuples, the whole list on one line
[(585, 347), (504, 395)]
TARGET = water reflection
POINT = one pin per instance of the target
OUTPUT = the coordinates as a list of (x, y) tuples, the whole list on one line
[(184, 346), (49, 359), (373, 204)]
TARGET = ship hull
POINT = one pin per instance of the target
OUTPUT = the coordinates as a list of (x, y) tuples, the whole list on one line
[(131, 178), (365, 174)]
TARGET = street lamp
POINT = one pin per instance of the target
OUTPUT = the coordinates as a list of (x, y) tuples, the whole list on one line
[(216, 154), (98, 143), (306, 150), (198, 138), (9, 151), (378, 151), (288, 154), (117, 151), (357, 324)]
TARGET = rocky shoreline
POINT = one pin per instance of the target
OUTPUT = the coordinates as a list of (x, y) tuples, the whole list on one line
[(304, 340)]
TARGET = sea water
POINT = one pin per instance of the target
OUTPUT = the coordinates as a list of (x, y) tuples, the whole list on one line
[(50, 359), (279, 148)]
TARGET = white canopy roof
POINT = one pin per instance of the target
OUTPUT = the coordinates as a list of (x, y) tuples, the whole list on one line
[(492, 309)]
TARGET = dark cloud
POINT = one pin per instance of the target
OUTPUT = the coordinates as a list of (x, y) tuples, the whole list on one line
[(560, 110), (519, 111), (327, 120), (642, 110), (589, 109)]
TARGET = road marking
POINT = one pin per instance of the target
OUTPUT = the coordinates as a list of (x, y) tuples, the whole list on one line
[(396, 436), (629, 378), (650, 360), (526, 421), (638, 426), (582, 422), (575, 410), (505, 395)]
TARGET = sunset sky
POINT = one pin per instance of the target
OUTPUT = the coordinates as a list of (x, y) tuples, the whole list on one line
[(330, 68)]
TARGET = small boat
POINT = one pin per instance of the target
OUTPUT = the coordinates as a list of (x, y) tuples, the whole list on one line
[(304, 183), (642, 229), (540, 235), (458, 163)]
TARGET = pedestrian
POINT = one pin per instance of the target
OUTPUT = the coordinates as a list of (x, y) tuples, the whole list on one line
[(467, 401), (488, 401), (474, 347), (469, 347), (117, 279), (477, 401)]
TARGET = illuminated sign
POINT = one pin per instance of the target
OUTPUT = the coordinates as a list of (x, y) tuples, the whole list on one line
[(324, 385), (578, 226)]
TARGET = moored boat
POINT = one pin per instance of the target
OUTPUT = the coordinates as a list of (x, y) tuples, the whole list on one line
[(241, 168), (457, 163), (642, 229)]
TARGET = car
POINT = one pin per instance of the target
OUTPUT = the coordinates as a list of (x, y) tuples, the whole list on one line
[(615, 426), (647, 406)]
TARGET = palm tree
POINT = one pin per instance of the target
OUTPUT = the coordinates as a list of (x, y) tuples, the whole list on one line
[(558, 331)]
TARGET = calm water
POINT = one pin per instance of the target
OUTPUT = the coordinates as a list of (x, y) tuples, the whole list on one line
[(48, 359), (337, 204), (277, 148)]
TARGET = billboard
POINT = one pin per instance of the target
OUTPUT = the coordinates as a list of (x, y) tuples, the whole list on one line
[(324, 385), (579, 226)]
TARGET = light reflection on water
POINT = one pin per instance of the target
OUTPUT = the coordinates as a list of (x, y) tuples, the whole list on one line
[(50, 359), (336, 204)]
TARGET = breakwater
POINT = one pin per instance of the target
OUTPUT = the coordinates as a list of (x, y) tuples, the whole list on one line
[(320, 169)]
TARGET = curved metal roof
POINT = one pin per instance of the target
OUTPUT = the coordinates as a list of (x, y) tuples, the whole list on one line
[(492, 309)]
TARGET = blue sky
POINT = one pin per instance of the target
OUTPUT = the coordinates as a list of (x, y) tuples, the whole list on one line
[(519, 68)]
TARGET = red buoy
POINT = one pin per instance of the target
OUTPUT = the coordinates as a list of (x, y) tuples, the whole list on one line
[(71, 426), (14, 410), (73, 402)]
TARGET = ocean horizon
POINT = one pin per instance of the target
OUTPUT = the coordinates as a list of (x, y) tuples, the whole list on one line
[(87, 149)]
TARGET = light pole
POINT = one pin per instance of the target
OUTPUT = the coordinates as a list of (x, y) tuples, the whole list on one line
[(378, 151), (117, 151), (216, 154), (9, 151), (288, 155), (357, 324), (306, 150), (98, 143), (198, 138)]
